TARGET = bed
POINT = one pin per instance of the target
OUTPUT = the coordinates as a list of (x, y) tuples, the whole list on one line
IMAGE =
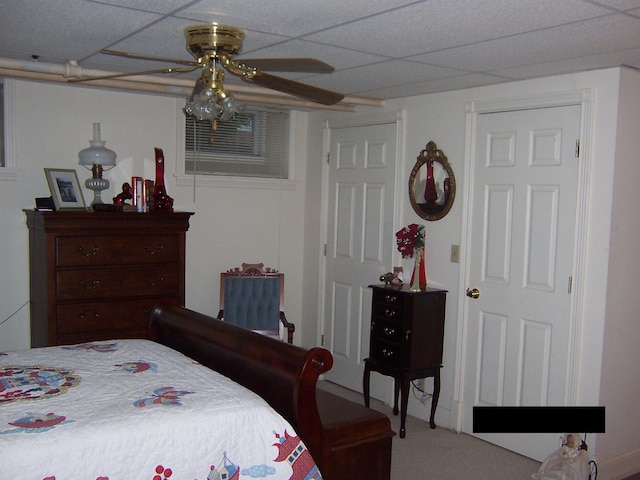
[(167, 408)]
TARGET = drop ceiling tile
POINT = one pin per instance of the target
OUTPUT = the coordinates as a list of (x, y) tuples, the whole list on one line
[(589, 62), (621, 5), (339, 58), (515, 38), (289, 17), (599, 35), (69, 30), (635, 12), (380, 75), (164, 7), (441, 24), (433, 86)]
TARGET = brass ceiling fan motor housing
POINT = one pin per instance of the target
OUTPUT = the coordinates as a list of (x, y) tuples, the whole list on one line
[(213, 41)]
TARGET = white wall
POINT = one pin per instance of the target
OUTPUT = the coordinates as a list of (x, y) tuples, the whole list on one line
[(255, 222), (441, 118), (620, 385)]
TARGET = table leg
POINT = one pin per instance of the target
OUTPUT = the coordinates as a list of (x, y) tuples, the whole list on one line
[(434, 398), (404, 399), (396, 394), (365, 383)]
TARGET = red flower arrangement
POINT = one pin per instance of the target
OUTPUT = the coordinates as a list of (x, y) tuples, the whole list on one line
[(410, 240)]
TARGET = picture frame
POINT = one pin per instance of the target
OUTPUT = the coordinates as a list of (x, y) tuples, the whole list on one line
[(65, 189)]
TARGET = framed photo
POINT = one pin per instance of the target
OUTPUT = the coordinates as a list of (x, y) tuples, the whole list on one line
[(65, 189)]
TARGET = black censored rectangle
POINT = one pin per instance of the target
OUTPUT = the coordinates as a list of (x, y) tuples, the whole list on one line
[(538, 419)]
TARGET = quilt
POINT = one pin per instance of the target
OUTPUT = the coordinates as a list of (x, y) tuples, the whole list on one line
[(135, 409)]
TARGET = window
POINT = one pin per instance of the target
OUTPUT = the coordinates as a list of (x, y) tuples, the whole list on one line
[(255, 143), (8, 165)]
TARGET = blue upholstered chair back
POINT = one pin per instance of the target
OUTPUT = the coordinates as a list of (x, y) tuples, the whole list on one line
[(252, 302), (252, 297)]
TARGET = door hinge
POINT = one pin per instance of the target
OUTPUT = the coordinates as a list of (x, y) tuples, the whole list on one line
[(322, 340), (570, 285), (577, 148), (329, 157), (325, 249)]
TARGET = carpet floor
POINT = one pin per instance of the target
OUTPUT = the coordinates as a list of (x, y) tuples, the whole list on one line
[(442, 454)]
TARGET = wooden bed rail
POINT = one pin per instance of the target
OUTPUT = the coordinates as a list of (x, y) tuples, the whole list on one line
[(284, 375)]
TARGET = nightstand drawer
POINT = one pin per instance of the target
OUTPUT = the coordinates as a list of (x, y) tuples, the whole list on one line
[(386, 330), (117, 250), (386, 352), (389, 296), (111, 282), (388, 312)]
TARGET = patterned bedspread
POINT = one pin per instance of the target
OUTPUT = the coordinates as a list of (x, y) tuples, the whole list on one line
[(134, 409)]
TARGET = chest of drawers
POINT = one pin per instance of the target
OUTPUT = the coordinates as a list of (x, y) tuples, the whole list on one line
[(406, 341), (97, 275)]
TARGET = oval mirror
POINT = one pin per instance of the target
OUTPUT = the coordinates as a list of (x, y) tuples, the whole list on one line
[(432, 184)]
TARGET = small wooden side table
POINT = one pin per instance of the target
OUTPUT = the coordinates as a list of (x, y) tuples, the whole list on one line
[(406, 342)]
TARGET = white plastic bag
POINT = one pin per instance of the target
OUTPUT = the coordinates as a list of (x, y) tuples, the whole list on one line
[(570, 462)]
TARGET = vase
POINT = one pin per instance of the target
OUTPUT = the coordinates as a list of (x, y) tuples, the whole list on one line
[(430, 194), (161, 201), (419, 276)]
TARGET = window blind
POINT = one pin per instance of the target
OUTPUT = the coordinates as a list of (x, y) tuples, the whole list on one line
[(254, 143)]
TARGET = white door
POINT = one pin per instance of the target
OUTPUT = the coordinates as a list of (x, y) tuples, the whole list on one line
[(360, 206), (523, 222)]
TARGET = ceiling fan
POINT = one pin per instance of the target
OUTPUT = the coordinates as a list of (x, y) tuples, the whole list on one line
[(215, 47)]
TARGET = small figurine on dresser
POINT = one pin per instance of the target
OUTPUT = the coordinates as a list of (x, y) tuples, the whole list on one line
[(126, 194)]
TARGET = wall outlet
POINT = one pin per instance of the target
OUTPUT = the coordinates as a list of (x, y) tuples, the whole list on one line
[(455, 253)]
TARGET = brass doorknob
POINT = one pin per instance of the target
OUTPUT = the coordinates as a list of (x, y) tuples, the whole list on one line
[(473, 293)]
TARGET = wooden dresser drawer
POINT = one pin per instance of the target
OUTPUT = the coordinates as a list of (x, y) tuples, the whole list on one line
[(117, 250), (111, 282), (112, 317)]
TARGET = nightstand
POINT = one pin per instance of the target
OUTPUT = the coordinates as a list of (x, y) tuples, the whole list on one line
[(406, 342)]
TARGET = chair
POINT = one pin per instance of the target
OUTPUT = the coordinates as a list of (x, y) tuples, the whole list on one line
[(252, 297)]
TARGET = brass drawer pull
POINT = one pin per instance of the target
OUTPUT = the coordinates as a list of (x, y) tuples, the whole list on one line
[(390, 298), (153, 252), (389, 313), (94, 251), (388, 331), (93, 284), (155, 282), (387, 353), (90, 313)]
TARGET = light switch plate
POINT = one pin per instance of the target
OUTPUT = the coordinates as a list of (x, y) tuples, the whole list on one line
[(455, 253)]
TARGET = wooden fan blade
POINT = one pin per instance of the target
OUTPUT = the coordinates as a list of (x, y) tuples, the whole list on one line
[(136, 56), (302, 90), (133, 74), (312, 65)]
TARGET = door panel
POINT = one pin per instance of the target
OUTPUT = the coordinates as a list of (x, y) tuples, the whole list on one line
[(360, 210), (521, 259)]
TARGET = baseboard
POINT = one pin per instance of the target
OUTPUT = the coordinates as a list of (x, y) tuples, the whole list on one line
[(619, 466), (456, 415)]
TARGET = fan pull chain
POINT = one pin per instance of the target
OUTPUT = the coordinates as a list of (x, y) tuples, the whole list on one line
[(195, 158)]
